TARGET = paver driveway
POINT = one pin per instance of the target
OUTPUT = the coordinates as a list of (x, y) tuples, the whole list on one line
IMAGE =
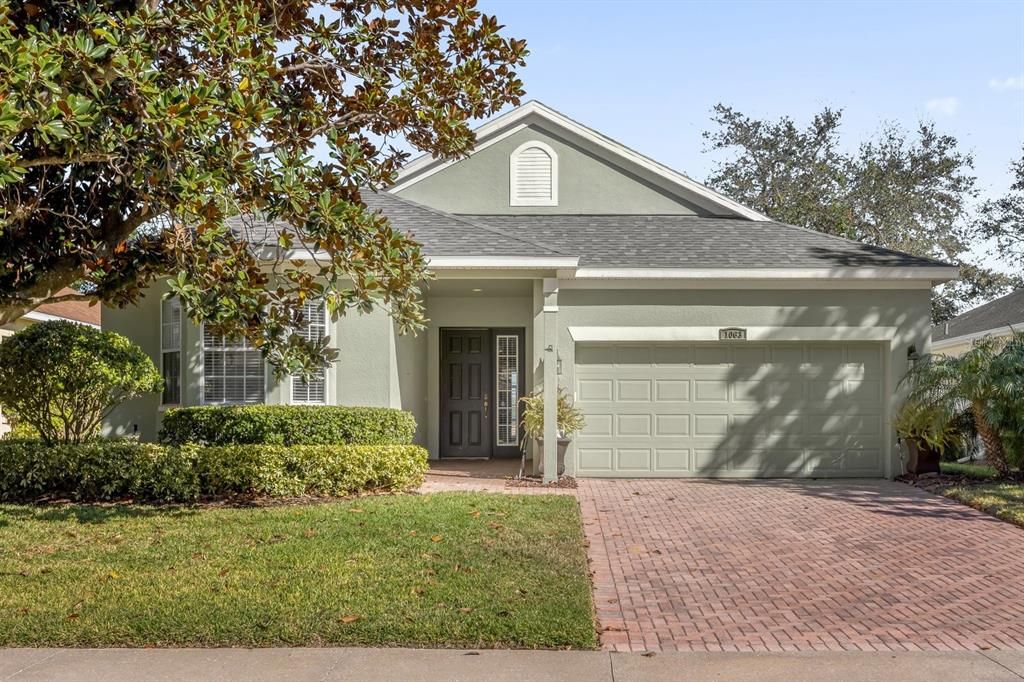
[(799, 566)]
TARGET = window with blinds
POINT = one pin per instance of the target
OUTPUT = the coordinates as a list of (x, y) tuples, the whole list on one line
[(314, 328), (232, 370), (533, 175), (170, 350)]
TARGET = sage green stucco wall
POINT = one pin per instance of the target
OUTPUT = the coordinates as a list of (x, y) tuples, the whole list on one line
[(141, 324), (379, 367), (366, 372), (586, 183)]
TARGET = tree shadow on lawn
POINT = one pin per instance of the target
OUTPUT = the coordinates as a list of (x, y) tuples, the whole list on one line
[(87, 513)]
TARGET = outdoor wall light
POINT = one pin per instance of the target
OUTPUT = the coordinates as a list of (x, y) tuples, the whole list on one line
[(912, 355)]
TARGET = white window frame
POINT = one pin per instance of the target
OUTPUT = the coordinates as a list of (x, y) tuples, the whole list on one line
[(164, 350), (514, 406), (326, 367), (513, 175), (202, 376)]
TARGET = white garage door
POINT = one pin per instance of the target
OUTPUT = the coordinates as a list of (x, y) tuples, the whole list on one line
[(730, 409)]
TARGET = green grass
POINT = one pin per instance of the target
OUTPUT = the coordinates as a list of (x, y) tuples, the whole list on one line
[(978, 471), (456, 569), (1002, 500)]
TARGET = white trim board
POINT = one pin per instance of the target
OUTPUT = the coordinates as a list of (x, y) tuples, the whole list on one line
[(46, 317), (509, 123), (683, 334), (933, 274), (501, 262)]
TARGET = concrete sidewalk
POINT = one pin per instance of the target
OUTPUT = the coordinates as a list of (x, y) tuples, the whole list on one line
[(415, 665)]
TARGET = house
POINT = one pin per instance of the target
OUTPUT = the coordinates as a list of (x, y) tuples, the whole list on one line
[(996, 318), (699, 337), (74, 311)]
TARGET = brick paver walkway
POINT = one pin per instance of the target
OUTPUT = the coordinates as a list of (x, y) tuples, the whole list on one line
[(799, 566)]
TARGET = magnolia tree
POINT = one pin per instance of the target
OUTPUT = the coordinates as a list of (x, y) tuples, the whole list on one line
[(130, 131), (63, 378)]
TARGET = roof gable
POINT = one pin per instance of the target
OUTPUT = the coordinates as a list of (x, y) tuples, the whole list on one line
[(613, 172)]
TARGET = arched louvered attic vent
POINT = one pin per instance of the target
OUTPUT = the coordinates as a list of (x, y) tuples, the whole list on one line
[(533, 175)]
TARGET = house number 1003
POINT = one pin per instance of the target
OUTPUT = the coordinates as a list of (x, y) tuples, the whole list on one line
[(732, 334)]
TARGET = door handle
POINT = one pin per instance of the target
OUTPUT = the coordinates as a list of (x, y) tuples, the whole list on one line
[(486, 402)]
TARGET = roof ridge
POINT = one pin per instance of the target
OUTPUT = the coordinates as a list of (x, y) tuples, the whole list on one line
[(472, 223)]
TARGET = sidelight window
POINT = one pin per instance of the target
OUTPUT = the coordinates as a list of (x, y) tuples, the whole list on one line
[(507, 421)]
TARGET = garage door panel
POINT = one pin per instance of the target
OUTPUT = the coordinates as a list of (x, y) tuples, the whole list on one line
[(595, 390), (598, 425), (633, 390), (594, 460), (672, 390), (730, 410), (672, 460), (629, 425), (672, 425), (708, 390), (633, 459)]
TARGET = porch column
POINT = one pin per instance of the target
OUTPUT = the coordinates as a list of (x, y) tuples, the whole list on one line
[(550, 356)]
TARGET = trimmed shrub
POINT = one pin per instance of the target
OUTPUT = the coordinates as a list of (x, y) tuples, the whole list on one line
[(96, 470), (63, 378), (287, 425), (331, 470), (122, 469)]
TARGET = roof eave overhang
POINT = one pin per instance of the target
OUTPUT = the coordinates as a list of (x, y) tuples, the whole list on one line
[(1003, 330), (935, 275)]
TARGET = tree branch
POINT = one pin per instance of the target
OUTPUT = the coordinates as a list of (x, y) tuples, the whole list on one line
[(64, 161)]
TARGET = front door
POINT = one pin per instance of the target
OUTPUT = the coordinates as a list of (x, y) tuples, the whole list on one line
[(467, 378)]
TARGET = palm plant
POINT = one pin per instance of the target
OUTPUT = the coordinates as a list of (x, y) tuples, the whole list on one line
[(986, 380)]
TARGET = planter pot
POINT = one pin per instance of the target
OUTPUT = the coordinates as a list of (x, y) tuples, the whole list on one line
[(563, 445), (921, 457)]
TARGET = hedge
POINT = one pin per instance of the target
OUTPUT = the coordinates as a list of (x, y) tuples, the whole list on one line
[(126, 469), (287, 425)]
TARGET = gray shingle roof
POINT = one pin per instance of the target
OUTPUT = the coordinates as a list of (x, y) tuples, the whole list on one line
[(438, 232), (444, 234), (669, 241), (618, 241), (1000, 313)]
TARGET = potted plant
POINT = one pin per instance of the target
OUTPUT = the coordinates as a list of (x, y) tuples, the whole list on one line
[(569, 419), (926, 431)]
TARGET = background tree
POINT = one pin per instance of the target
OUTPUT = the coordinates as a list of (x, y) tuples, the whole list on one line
[(130, 130), (905, 191), (63, 378), (1002, 220)]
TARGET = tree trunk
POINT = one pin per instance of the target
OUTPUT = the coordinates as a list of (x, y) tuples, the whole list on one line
[(990, 437)]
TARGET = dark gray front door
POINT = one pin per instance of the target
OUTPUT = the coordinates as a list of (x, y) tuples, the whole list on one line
[(467, 376)]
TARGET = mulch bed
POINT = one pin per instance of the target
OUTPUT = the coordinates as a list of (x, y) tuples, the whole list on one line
[(536, 482)]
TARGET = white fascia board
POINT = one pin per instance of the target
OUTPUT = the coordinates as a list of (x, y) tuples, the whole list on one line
[(685, 334), (933, 274), (1003, 330), (502, 262), (513, 120), (36, 316)]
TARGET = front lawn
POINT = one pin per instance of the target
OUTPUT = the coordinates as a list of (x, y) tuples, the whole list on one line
[(1004, 500), (455, 569)]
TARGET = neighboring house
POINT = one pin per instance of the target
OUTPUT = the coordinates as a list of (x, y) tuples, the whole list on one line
[(699, 337), (75, 311), (997, 318)]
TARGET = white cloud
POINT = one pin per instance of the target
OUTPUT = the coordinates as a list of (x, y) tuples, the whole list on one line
[(944, 106), (1008, 83)]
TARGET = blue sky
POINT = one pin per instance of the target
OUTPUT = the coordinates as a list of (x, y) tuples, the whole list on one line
[(648, 73)]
